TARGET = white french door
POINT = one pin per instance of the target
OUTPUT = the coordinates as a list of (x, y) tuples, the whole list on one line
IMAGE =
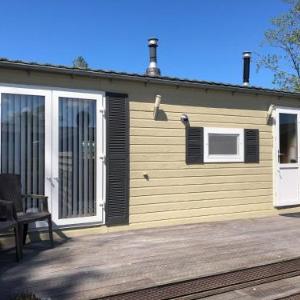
[(25, 144), (55, 140), (287, 157), (77, 157)]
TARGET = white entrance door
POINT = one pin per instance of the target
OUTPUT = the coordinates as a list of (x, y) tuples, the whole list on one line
[(77, 157), (287, 156)]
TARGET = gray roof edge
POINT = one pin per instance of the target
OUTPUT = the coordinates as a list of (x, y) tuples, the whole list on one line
[(5, 63)]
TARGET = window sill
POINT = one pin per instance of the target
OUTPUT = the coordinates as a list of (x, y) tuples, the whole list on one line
[(224, 160)]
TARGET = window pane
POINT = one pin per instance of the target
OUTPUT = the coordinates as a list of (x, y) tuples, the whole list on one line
[(222, 144), (23, 141), (288, 149)]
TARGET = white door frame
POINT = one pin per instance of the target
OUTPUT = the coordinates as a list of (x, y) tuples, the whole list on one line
[(51, 95), (276, 164), (100, 156)]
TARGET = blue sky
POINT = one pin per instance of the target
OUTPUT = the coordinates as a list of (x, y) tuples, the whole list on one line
[(199, 39)]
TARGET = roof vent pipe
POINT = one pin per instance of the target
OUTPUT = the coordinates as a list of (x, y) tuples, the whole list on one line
[(246, 71), (153, 70)]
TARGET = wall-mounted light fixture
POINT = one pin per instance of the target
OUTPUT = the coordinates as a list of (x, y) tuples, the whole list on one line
[(185, 119), (270, 113), (156, 106)]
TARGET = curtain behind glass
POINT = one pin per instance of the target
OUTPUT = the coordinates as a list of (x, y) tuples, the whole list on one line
[(23, 141), (77, 169)]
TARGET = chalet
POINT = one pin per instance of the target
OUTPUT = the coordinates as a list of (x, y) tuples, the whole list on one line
[(137, 151)]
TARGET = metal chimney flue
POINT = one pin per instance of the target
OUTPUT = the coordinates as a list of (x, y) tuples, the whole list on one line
[(246, 70), (152, 69)]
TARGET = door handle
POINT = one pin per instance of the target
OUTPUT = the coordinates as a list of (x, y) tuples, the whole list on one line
[(51, 181), (103, 158)]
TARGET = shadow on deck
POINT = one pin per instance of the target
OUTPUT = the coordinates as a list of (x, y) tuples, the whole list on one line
[(95, 266)]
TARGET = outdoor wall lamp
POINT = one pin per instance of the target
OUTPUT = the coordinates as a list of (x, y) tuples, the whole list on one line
[(156, 106), (185, 119)]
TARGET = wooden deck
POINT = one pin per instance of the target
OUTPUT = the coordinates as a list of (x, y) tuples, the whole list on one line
[(95, 266)]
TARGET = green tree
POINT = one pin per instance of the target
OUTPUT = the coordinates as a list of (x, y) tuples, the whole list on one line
[(80, 62), (284, 35)]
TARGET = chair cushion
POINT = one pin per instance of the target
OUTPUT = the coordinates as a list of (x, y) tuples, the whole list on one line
[(32, 216), (10, 189)]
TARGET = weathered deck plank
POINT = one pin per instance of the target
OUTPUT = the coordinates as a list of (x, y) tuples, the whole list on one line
[(100, 265)]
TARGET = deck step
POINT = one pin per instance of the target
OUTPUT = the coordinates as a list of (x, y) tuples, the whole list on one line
[(216, 284)]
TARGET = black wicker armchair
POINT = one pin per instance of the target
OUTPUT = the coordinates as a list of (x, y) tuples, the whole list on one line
[(8, 222), (10, 190)]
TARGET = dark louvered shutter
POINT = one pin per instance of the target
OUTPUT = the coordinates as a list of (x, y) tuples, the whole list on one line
[(251, 145), (117, 175), (194, 145)]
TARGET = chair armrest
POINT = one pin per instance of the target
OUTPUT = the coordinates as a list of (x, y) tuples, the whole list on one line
[(10, 210), (40, 198)]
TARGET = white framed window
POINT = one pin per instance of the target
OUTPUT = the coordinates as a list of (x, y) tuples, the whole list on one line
[(223, 144)]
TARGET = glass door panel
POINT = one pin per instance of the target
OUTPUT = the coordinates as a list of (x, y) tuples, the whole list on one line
[(77, 161), (288, 146), (23, 141)]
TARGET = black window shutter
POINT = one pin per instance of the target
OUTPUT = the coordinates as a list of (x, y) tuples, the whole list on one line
[(194, 145), (251, 137), (117, 166)]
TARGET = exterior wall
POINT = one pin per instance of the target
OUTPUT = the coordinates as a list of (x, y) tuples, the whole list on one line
[(176, 193), (179, 193)]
